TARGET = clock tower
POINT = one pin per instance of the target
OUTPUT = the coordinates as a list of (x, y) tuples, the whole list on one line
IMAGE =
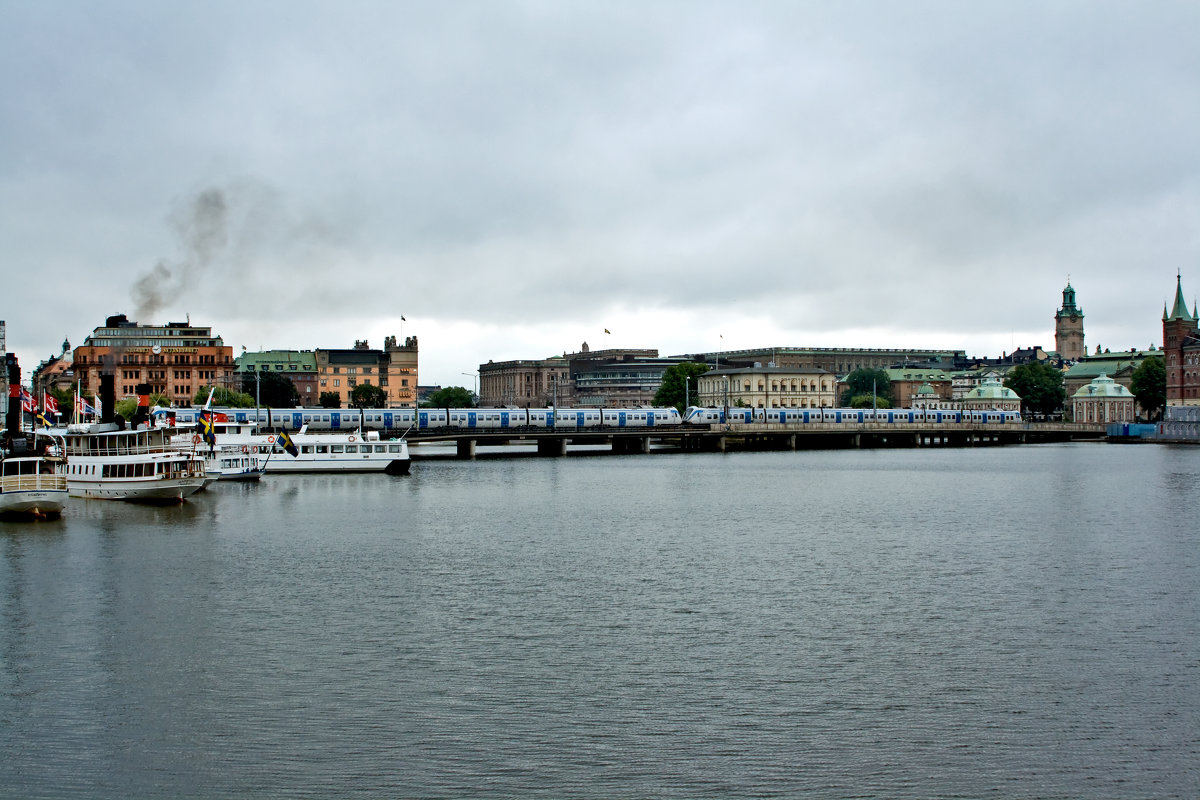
[(1068, 328)]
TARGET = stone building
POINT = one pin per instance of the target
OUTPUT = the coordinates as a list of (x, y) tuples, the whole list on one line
[(612, 378), (1119, 366), (1102, 400), (1068, 328), (836, 360), (906, 387), (765, 387), (1181, 351), (176, 359), (56, 372)]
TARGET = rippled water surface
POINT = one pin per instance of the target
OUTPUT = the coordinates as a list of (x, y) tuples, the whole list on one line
[(1007, 622)]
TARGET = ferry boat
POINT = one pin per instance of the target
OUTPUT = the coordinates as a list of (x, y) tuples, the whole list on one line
[(107, 462), (354, 451), (31, 483), (236, 466)]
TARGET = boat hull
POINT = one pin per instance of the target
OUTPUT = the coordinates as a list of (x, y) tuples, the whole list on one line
[(42, 503), (167, 490)]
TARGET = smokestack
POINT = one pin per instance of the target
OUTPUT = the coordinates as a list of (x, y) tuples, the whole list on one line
[(108, 398), (142, 415)]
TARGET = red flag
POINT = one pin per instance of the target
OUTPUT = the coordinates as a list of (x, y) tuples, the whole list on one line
[(27, 403), (49, 404)]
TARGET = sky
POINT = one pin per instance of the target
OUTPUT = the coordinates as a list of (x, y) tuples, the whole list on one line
[(513, 178)]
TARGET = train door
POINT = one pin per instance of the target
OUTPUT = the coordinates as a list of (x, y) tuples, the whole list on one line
[(620, 419), (297, 420), (335, 420)]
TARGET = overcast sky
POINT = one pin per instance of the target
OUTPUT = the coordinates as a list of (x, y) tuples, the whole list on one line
[(513, 178)]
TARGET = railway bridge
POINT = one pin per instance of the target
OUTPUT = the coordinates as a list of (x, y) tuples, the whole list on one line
[(756, 436)]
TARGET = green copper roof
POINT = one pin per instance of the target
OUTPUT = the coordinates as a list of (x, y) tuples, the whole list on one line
[(1102, 386), (1180, 311), (991, 390), (1069, 309)]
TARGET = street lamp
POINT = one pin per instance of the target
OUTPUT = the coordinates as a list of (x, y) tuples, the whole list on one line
[(686, 396), (474, 375)]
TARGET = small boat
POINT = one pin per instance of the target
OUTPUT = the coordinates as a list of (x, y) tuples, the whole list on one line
[(31, 483), (237, 466)]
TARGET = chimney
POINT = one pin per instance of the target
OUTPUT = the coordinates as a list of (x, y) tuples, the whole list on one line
[(142, 415), (108, 398)]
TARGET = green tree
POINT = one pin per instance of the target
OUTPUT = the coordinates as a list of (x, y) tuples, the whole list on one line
[(224, 397), (367, 396), (869, 383), (330, 400), (867, 401), (1040, 387), (678, 385), (271, 389), (1149, 385), (450, 397)]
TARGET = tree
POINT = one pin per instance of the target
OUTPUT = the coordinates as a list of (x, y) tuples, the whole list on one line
[(870, 383), (678, 385), (330, 400), (867, 401), (270, 389), (450, 397), (367, 396), (224, 397), (1149, 385), (1040, 387)]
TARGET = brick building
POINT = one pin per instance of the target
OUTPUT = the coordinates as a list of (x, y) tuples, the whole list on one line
[(176, 359), (1181, 351)]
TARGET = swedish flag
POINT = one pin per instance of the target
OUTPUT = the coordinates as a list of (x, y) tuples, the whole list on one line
[(287, 444), (41, 418), (206, 429)]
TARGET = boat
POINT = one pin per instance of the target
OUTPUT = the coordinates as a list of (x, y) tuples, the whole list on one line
[(236, 466), (354, 451), (31, 481), (105, 461)]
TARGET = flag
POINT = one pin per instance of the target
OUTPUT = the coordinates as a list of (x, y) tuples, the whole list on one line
[(83, 406), (402, 319), (27, 403), (99, 409), (49, 403), (287, 444), (45, 423), (206, 429), (606, 330)]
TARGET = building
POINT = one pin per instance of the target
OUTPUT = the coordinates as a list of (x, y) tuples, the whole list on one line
[(56, 372), (1118, 366), (906, 385), (393, 369), (837, 360), (1181, 351), (612, 378), (298, 366), (766, 387), (176, 359), (1103, 400), (524, 383), (1068, 328), (991, 395)]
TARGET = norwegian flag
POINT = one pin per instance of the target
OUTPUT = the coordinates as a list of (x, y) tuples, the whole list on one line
[(49, 404), (27, 403)]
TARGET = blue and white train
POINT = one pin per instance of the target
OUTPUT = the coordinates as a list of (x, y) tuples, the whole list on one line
[(427, 419), (423, 419), (847, 416)]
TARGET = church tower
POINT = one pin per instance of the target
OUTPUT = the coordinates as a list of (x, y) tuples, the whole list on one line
[(1181, 343), (1068, 328)]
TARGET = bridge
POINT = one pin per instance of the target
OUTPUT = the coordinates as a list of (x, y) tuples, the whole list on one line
[(758, 436)]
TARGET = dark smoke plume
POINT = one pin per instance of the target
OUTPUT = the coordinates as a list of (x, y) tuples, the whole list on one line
[(202, 229)]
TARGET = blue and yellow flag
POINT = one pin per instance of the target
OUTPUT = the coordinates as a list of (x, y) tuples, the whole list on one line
[(41, 418), (206, 428), (287, 444)]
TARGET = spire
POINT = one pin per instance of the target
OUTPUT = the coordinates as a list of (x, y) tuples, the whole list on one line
[(1180, 309)]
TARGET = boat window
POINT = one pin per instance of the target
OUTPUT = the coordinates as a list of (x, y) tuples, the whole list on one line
[(380, 448), (393, 448), (337, 448), (322, 448), (308, 448)]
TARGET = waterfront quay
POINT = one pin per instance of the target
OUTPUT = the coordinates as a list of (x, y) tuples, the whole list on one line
[(765, 436)]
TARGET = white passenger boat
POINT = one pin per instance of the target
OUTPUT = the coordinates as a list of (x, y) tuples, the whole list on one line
[(32, 485), (106, 462), (236, 466), (315, 452)]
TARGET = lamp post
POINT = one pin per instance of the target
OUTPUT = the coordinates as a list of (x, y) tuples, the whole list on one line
[(474, 375), (686, 395)]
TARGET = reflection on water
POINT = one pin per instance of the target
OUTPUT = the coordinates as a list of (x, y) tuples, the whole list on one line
[(1017, 622)]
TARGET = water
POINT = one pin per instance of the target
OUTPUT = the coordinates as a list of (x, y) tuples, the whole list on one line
[(990, 622)]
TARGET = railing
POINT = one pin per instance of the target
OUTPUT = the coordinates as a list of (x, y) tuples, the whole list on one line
[(33, 483)]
